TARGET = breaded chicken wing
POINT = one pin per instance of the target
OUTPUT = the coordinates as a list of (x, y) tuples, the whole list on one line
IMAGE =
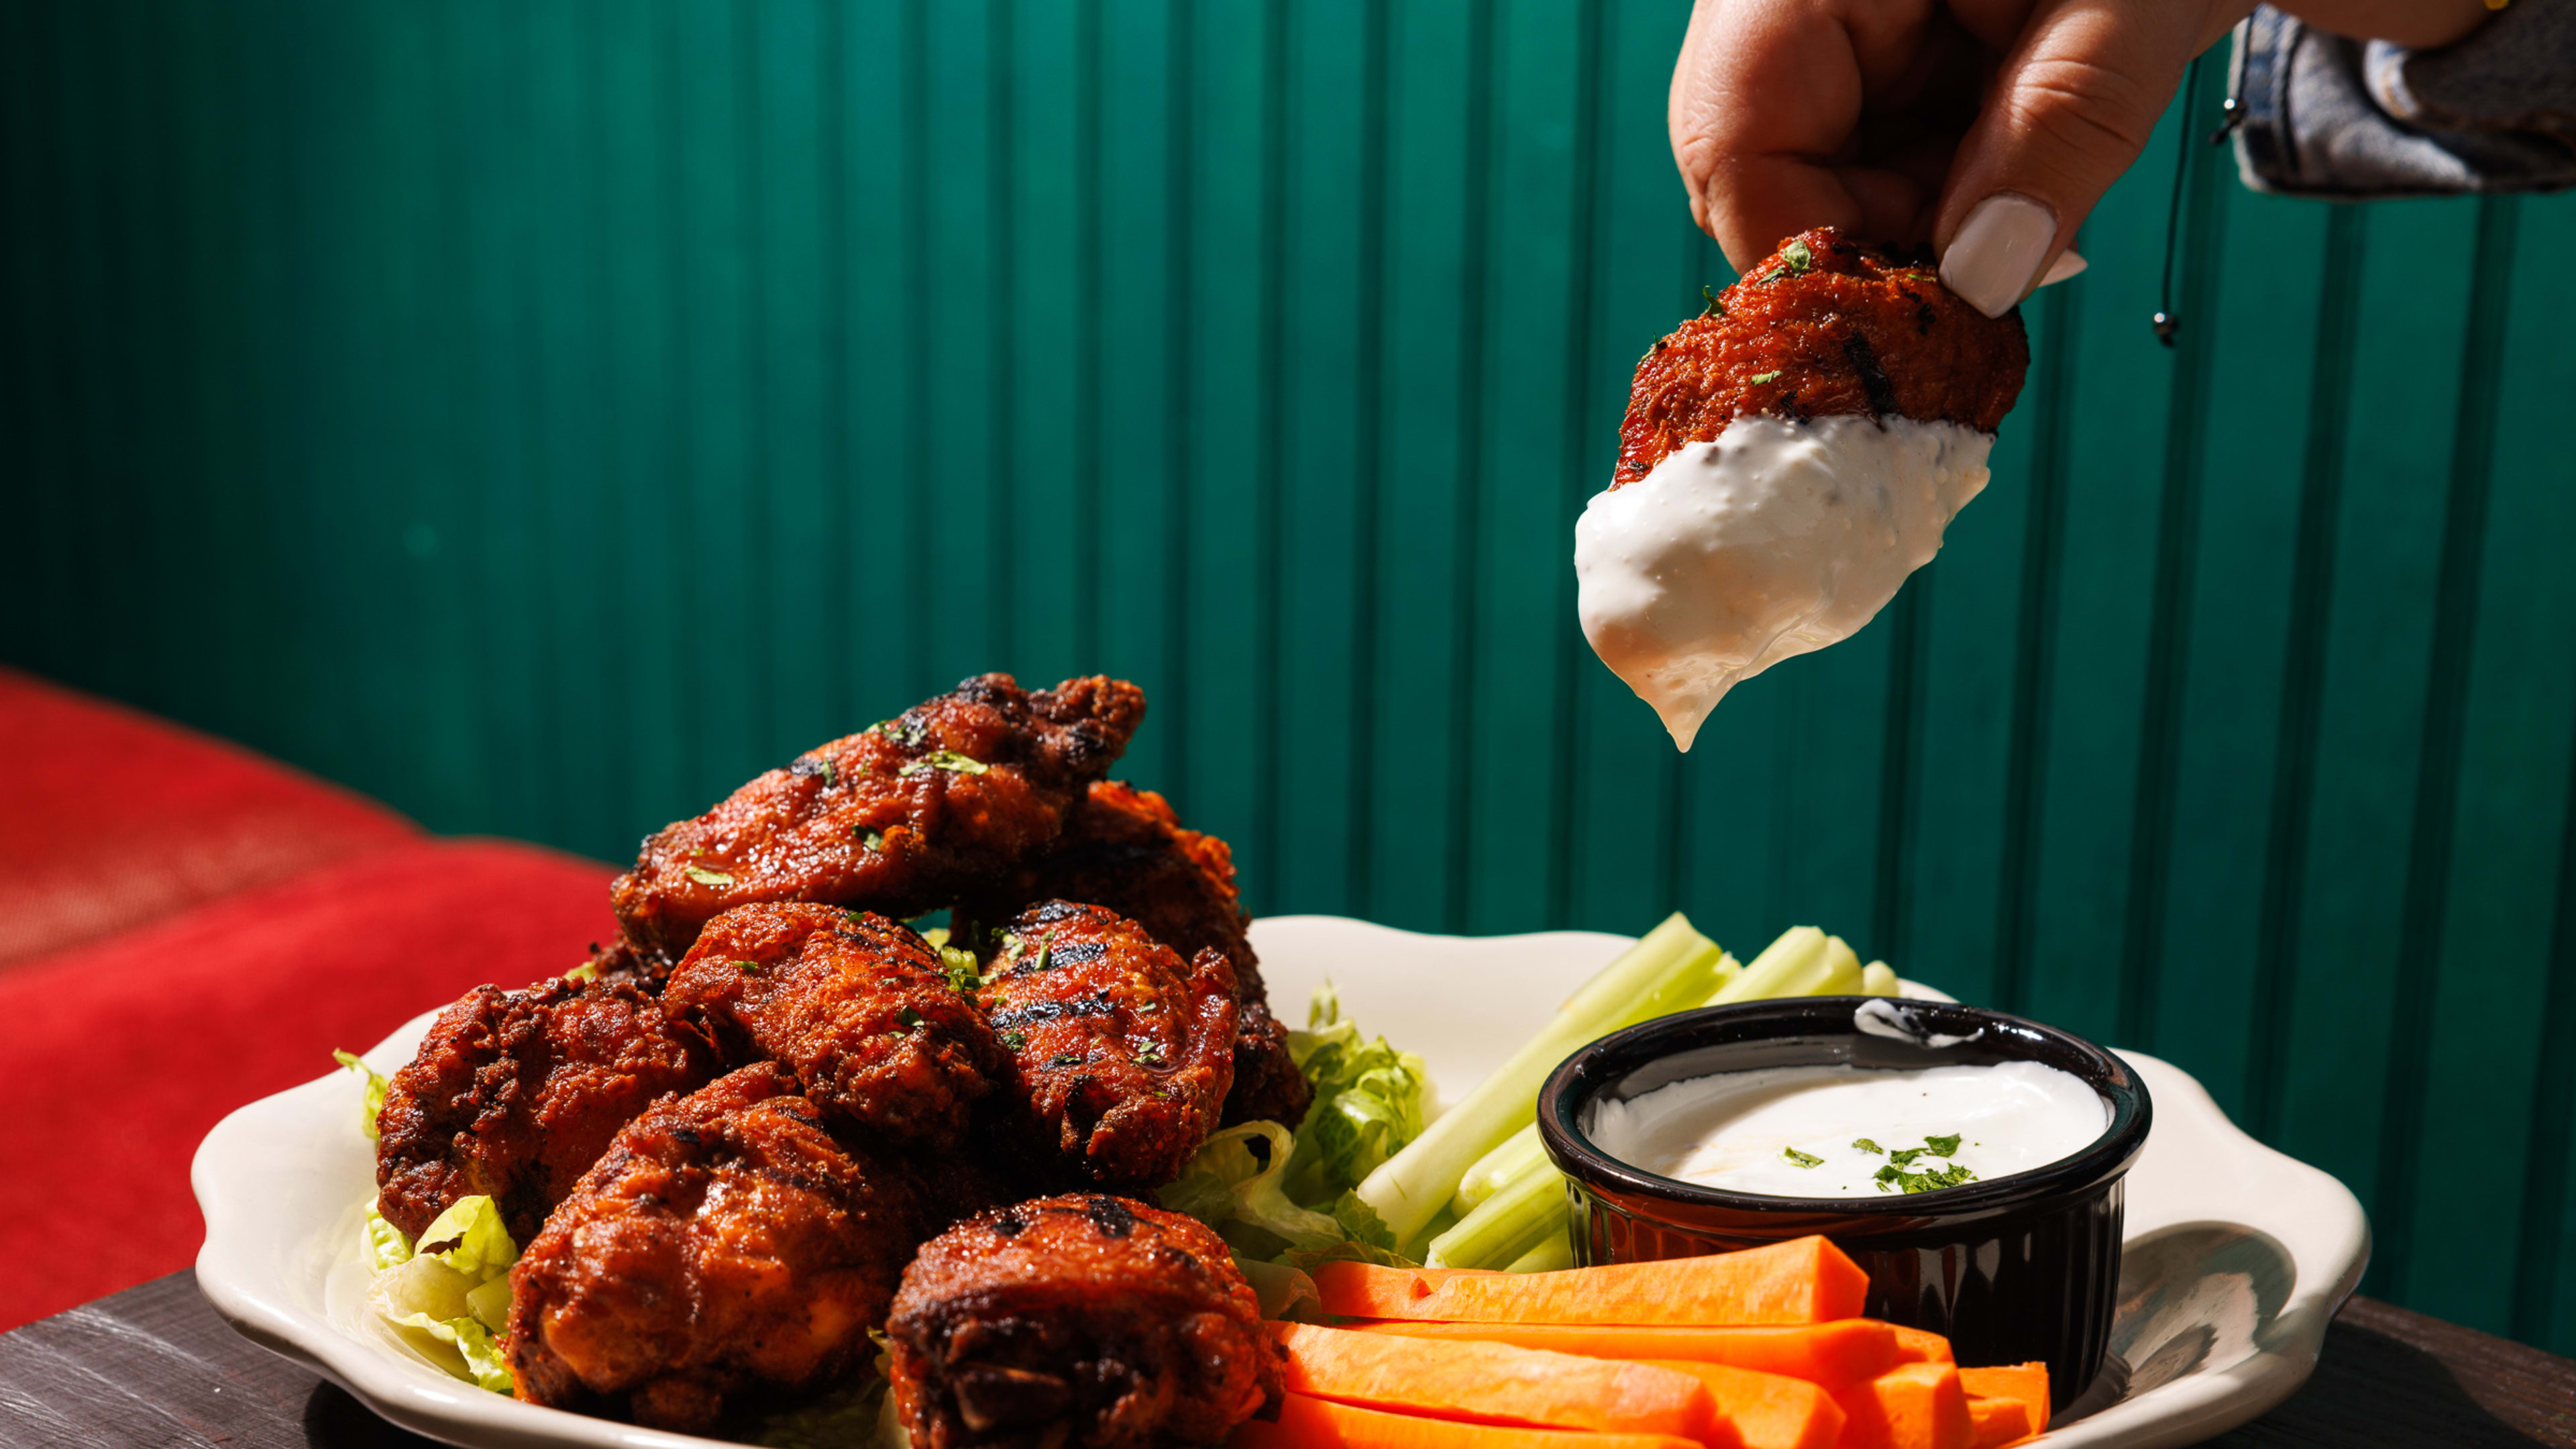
[(515, 1094), (1123, 848), (858, 1006), (1824, 326), (1121, 1053), (726, 1243), (900, 818), (1077, 1321)]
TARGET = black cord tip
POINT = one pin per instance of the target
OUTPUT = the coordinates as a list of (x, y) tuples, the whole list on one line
[(2167, 324)]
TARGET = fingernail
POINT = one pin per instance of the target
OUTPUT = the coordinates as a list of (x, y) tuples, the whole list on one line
[(2068, 263), (1998, 252)]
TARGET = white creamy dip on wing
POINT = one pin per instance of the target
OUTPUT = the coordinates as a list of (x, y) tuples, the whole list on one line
[(1754, 1131), (1777, 539)]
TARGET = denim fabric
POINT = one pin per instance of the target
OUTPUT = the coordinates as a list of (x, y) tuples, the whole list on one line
[(2352, 120)]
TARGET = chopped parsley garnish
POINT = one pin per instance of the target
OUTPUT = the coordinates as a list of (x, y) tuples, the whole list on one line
[(1715, 308), (1894, 1177), (1865, 1145), (830, 776), (1015, 1039), (965, 973), (909, 1017), (709, 877), (1803, 1159), (1795, 261), (1764, 376), (948, 760), (1942, 1146), (1066, 1060), (1150, 1054), (872, 839), (747, 968), (1906, 1156)]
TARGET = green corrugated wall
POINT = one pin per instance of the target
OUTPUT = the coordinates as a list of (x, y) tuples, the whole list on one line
[(544, 414)]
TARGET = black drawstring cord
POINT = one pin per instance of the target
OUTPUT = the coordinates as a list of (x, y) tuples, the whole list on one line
[(2231, 114)]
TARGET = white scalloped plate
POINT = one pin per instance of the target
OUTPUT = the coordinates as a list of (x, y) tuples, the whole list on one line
[(2237, 1256)]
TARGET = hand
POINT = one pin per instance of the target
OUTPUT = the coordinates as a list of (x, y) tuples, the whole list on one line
[(1988, 127)]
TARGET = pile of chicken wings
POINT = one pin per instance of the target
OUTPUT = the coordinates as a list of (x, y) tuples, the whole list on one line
[(770, 1116)]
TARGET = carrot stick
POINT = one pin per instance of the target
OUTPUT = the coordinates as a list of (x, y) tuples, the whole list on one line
[(1306, 1422), (1493, 1383), (1769, 1411), (1911, 1406), (1991, 1391), (1846, 1351), (1807, 1280)]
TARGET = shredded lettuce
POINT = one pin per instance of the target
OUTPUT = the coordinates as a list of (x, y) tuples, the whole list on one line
[(375, 1098), (1368, 1102), (1285, 1197), (453, 1286)]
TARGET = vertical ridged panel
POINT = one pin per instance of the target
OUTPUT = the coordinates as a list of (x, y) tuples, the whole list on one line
[(2355, 984)]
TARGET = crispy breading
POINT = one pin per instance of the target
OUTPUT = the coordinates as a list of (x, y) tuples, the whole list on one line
[(514, 1094), (1824, 326), (1121, 1053), (900, 818), (1082, 1320), (858, 1006), (1125, 849), (726, 1241)]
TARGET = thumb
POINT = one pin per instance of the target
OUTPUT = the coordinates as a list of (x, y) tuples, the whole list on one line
[(2070, 108)]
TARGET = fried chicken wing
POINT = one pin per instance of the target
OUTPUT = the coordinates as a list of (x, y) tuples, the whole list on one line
[(1125, 849), (900, 818), (515, 1094), (725, 1244), (1121, 1054), (1824, 326), (859, 1006), (1077, 1321)]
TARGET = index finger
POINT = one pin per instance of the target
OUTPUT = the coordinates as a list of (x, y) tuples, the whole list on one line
[(1766, 100)]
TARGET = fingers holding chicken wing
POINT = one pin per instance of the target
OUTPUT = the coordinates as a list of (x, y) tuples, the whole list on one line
[(900, 818), (725, 1243), (514, 1094), (1082, 1320), (1122, 1054), (858, 1006)]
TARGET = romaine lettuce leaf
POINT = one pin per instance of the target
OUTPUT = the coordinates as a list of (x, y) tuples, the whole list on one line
[(1368, 1102), (454, 1287), (375, 1098)]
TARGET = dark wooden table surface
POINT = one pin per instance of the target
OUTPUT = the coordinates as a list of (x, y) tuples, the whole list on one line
[(154, 1366)]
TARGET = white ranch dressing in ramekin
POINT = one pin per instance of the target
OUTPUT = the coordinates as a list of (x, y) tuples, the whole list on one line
[(1748, 1131), (1777, 539)]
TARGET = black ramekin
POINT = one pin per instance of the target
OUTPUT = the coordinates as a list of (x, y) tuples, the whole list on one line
[(2011, 1270)]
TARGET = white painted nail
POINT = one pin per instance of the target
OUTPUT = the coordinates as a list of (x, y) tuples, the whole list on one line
[(1996, 256), (2069, 262)]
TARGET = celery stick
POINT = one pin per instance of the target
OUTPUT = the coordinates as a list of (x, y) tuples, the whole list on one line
[(1878, 979), (1514, 1220), (1798, 953), (1557, 1252), (1669, 965), (1519, 1153)]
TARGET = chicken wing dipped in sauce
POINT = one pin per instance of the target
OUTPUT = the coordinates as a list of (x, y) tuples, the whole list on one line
[(858, 1006), (1121, 1053), (1825, 326), (1125, 849), (514, 1094), (1077, 1321), (1788, 458), (900, 818), (726, 1246)]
